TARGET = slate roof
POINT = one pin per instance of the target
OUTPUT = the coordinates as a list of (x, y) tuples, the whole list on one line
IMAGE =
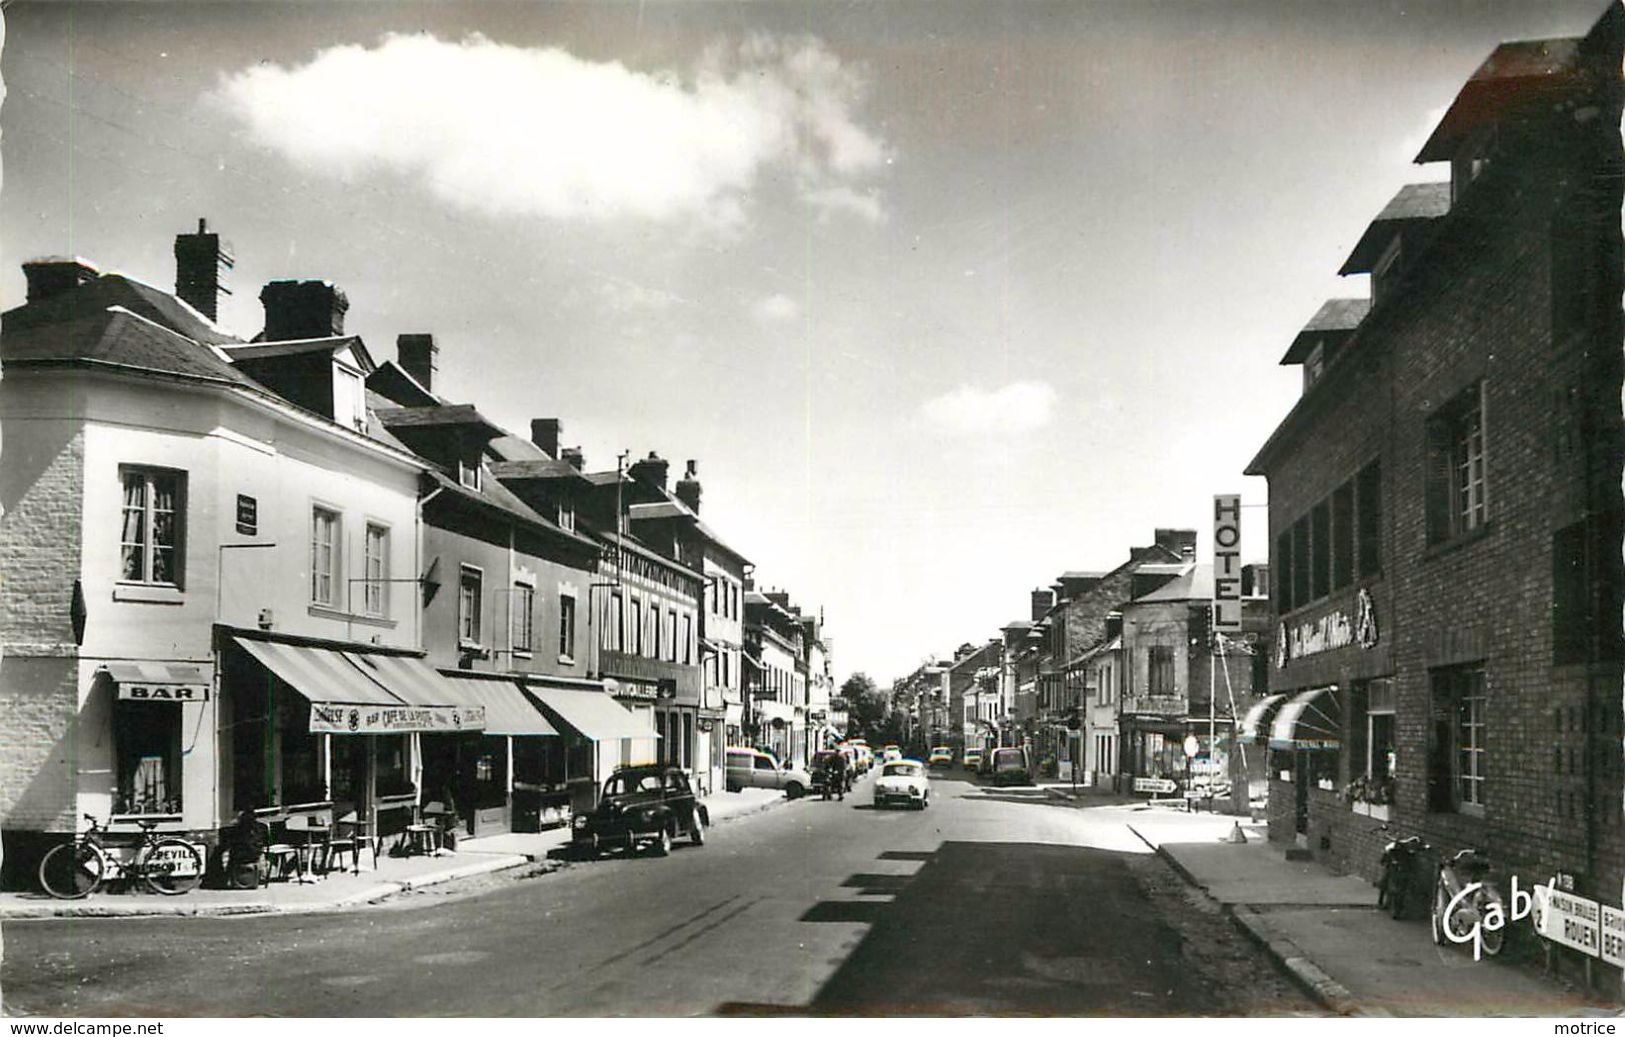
[(300, 347), (1414, 202), (116, 337), (440, 416), (1195, 584), (110, 290), (542, 468), (493, 494), (1517, 73), (1336, 317)]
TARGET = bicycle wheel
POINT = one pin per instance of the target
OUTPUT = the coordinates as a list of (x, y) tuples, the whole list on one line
[(1492, 940), (1382, 889), (172, 867), (1399, 891), (73, 870)]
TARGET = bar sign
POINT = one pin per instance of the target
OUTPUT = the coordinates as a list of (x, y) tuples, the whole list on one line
[(248, 515), (1227, 563)]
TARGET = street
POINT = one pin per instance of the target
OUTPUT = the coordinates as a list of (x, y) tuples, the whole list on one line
[(990, 901)]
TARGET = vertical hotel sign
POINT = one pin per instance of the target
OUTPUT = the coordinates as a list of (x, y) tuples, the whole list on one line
[(1227, 564)]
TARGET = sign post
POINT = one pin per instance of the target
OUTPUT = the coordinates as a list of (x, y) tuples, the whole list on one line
[(1226, 610)]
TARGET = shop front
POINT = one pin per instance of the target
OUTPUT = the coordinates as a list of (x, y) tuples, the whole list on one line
[(596, 735), (326, 730), (1305, 739), (475, 776)]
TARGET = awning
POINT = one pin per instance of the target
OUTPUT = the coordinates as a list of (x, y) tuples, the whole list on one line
[(146, 681), (593, 713), (507, 710), (1312, 720), (735, 715), (375, 697), (1255, 725)]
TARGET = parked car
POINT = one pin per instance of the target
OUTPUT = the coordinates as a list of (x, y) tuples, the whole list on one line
[(890, 753), (1010, 766), (752, 768), (941, 756), (650, 805), (903, 781), (971, 760)]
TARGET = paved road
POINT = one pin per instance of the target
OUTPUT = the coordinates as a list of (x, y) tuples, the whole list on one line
[(985, 903)]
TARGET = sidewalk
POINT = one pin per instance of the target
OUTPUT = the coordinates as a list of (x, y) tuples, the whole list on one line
[(1325, 930), (339, 891)]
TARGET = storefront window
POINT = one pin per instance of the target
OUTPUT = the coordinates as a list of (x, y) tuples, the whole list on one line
[(250, 739), (147, 747), (349, 768), (393, 779), (300, 752)]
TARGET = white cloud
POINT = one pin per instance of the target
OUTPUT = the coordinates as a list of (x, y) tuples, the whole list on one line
[(968, 410), (776, 308), (622, 296), (537, 131)]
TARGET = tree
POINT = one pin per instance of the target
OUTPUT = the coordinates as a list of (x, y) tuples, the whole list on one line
[(866, 706)]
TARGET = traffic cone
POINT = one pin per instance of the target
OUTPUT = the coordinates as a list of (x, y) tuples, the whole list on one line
[(1236, 836)]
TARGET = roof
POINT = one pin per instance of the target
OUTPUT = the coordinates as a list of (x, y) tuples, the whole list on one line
[(1194, 584), (1515, 75), (540, 469), (1415, 203), (669, 507), (111, 290), (441, 416), (1335, 318), (117, 337), (493, 494), (509, 447), (300, 347), (606, 478)]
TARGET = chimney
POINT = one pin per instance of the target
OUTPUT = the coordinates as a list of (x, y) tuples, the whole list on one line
[(302, 309), (418, 356), (688, 487), (1114, 625), (1043, 601), (202, 263), (651, 470), (53, 275), (544, 432), (1180, 541), (573, 456)]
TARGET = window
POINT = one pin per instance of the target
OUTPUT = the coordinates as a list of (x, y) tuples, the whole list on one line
[(655, 630), (1160, 670), (1343, 536), (468, 472), (524, 613), (722, 658), (1587, 590), (566, 514), (470, 602), (349, 402), (1320, 520), (1283, 581), (324, 556), (150, 537), (1457, 752), (1457, 489), (567, 625), (147, 757), (376, 599), (299, 751), (688, 639), (1368, 507), (671, 635), (1385, 271), (634, 642), (1300, 562)]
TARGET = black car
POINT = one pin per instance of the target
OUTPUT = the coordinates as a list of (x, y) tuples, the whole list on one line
[(831, 768), (650, 805)]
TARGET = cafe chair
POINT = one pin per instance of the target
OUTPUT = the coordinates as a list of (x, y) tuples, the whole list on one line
[(281, 858), (315, 843), (350, 834), (426, 835)]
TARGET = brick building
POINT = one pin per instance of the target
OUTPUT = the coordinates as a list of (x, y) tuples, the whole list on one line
[(1445, 509)]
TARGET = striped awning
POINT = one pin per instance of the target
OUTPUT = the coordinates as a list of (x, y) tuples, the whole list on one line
[(1255, 725), (1313, 720), (507, 710), (358, 692)]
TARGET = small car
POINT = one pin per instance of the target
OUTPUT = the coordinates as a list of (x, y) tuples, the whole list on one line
[(1010, 767), (648, 805), (903, 781), (890, 753), (971, 760), (752, 768), (941, 756)]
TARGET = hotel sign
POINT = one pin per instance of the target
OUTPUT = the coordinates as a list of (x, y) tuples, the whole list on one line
[(1336, 629), (333, 719), (1227, 564)]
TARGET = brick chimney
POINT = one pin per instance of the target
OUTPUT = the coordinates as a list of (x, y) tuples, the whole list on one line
[(573, 456), (53, 275), (1043, 600), (651, 470), (303, 309), (544, 432), (1180, 541), (202, 263), (688, 487), (419, 357)]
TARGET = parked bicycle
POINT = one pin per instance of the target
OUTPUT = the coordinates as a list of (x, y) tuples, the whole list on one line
[(79, 867), (1400, 883), (1467, 901)]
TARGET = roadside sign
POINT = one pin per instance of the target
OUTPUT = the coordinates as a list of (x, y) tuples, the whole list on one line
[(1227, 563), (1572, 921), (1154, 785), (1613, 936)]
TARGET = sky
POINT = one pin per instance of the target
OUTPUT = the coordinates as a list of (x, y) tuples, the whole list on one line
[(945, 298)]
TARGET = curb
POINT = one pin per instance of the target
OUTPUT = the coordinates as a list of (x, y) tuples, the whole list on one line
[(1309, 977)]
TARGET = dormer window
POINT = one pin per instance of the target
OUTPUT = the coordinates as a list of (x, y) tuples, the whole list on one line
[(1470, 164), (1314, 365), (468, 473), (349, 398), (1386, 270), (566, 515)]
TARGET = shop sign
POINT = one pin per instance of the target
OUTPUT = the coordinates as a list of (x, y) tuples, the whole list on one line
[(163, 692), (248, 515), (1572, 921), (172, 860), (326, 718), (1613, 936), (1154, 785), (1227, 564), (1336, 629)]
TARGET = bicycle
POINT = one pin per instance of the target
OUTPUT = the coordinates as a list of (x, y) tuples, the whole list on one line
[(1466, 902), (79, 867), (1394, 891)]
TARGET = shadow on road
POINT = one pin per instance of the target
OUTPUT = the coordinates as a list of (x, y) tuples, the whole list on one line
[(1006, 929)]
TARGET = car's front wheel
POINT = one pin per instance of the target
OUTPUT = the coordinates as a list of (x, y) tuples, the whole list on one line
[(662, 843), (795, 790), (696, 834)]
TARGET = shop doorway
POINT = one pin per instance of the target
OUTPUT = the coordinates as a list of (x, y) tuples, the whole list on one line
[(1300, 785)]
